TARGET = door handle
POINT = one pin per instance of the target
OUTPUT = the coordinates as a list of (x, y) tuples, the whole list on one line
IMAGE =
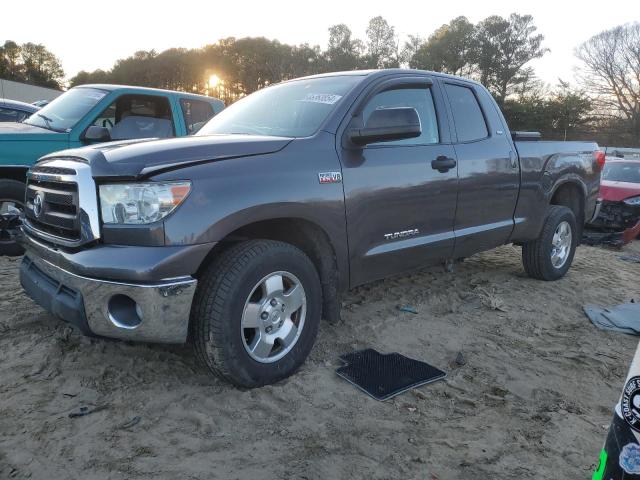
[(513, 159), (443, 164)]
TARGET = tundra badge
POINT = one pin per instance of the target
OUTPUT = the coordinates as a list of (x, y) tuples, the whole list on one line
[(402, 234), (330, 177)]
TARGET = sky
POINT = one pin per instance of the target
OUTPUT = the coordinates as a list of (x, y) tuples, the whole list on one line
[(86, 35)]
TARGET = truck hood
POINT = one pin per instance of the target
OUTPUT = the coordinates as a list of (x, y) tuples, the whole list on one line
[(24, 131), (618, 191), (135, 159)]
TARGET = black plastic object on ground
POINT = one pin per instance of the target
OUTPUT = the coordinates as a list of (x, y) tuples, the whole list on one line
[(630, 258), (384, 376), (594, 237)]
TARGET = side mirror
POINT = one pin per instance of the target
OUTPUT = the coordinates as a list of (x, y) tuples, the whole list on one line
[(388, 124), (96, 134)]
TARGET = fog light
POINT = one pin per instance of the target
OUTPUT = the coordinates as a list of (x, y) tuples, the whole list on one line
[(124, 312)]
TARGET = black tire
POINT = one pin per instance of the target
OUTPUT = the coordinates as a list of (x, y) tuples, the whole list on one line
[(11, 190), (216, 315), (536, 255)]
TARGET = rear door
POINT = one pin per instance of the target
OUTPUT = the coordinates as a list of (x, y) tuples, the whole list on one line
[(488, 170), (399, 209)]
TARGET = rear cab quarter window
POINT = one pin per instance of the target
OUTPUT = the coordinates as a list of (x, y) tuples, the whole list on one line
[(195, 113), (468, 118)]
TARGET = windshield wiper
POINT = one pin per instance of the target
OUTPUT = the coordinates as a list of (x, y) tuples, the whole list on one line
[(47, 123), (46, 119)]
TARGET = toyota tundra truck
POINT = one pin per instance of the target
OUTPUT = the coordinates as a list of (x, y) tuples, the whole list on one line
[(241, 238)]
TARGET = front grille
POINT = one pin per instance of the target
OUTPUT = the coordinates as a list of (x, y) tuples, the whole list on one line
[(55, 170), (59, 205)]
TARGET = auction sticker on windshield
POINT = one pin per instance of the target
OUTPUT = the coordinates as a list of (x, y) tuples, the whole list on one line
[(327, 98)]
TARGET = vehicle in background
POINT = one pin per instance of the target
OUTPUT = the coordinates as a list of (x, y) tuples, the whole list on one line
[(14, 111), (41, 103), (243, 236), (626, 153), (87, 115), (618, 219)]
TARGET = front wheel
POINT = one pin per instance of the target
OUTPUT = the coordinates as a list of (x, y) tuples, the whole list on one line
[(256, 312), (550, 255), (11, 207)]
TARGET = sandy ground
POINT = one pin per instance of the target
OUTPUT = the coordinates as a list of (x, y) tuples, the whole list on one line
[(533, 400)]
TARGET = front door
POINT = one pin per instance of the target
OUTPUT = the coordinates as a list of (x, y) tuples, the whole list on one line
[(399, 208)]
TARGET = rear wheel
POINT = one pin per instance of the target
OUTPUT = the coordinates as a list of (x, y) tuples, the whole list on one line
[(256, 312), (11, 207), (550, 255)]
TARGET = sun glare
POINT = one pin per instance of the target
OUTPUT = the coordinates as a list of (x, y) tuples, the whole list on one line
[(214, 80)]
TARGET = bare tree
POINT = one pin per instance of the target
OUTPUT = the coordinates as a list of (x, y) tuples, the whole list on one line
[(611, 73), (410, 48), (382, 44)]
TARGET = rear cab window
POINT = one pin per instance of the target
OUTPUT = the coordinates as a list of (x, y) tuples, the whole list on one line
[(196, 113), (468, 118)]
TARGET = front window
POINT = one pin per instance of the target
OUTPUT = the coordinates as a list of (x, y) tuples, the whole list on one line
[(137, 116), (622, 172), (291, 109), (62, 114), (418, 98)]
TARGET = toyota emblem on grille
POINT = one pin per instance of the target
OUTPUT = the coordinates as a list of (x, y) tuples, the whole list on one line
[(38, 202)]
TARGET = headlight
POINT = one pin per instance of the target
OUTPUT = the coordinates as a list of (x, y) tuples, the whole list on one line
[(139, 203), (633, 201)]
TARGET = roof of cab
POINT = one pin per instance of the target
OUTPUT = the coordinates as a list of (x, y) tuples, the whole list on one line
[(111, 87), (389, 71)]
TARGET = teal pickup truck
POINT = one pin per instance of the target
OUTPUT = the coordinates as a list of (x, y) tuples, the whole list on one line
[(84, 115)]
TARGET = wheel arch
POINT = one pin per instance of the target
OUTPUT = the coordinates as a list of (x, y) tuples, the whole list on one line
[(304, 234), (14, 172), (571, 193)]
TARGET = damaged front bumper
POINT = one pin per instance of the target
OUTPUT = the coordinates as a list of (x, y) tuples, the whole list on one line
[(616, 224), (153, 313), (140, 309)]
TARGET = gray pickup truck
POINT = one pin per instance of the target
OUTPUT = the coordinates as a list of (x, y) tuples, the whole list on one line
[(241, 238)]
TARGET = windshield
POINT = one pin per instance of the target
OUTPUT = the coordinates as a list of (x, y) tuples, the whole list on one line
[(622, 172), (292, 109), (65, 111)]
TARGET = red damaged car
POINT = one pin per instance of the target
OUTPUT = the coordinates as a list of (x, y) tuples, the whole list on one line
[(619, 216)]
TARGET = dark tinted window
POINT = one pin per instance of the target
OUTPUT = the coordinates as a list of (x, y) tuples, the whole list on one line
[(418, 98), (11, 115), (470, 124), (622, 172), (196, 114)]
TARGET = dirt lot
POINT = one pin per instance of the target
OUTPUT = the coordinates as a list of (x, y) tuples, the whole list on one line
[(533, 400)]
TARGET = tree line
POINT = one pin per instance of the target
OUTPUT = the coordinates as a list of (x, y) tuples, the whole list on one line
[(30, 63), (497, 51)]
